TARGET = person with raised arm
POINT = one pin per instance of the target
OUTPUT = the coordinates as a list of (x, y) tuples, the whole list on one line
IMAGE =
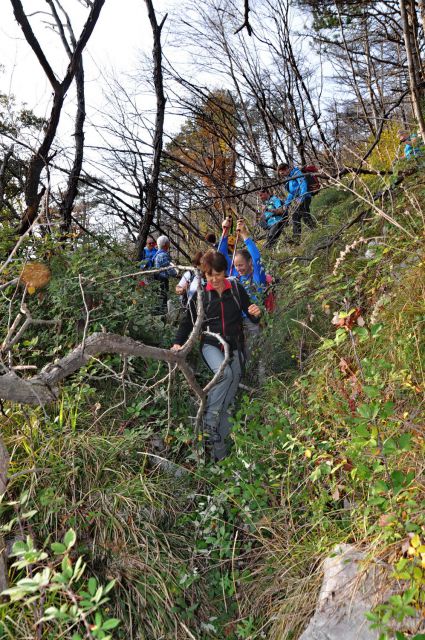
[(246, 266)]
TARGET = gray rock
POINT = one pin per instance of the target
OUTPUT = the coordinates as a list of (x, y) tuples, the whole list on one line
[(347, 593)]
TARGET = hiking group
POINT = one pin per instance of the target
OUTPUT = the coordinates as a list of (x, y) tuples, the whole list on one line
[(236, 292)]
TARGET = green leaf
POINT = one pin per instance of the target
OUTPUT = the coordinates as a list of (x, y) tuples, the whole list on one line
[(376, 329), (92, 586), (387, 409), (380, 486), (362, 431), (340, 336), (110, 624), (363, 409), (377, 501), (66, 567), (397, 478), (362, 333), (70, 538), (390, 446), (372, 392), (58, 547), (109, 586), (405, 442)]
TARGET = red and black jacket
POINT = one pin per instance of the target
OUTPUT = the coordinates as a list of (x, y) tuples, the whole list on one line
[(223, 315)]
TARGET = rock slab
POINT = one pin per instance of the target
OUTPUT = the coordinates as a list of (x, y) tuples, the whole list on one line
[(347, 593)]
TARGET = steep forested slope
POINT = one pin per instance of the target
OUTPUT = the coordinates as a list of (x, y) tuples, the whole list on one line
[(329, 449)]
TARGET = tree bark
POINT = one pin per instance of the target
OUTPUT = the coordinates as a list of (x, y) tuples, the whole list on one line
[(415, 91), (67, 202), (39, 159), (152, 184)]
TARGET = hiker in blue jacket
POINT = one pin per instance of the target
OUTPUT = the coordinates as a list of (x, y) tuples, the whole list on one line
[(148, 254), (413, 146), (246, 266), (274, 216), (297, 186), (163, 259)]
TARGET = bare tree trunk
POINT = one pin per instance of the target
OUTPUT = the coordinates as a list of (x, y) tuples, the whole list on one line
[(413, 72), (65, 208), (152, 183), (67, 203), (3, 170), (40, 159)]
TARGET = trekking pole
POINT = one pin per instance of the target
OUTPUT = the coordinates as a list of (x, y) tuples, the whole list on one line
[(234, 252)]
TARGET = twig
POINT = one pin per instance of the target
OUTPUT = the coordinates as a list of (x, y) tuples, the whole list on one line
[(246, 22)]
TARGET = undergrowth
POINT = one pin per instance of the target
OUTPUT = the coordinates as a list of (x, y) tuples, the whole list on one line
[(329, 450)]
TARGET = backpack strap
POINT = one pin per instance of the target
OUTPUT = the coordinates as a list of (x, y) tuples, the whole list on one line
[(235, 292)]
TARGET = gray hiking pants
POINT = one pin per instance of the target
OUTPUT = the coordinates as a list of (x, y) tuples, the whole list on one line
[(255, 370), (216, 417), (252, 333)]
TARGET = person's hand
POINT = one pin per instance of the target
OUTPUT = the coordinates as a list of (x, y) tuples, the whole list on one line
[(242, 228), (177, 347), (180, 290), (227, 223), (254, 310)]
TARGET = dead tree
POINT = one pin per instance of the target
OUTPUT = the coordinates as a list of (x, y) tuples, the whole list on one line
[(409, 23), (67, 200), (151, 186), (40, 159)]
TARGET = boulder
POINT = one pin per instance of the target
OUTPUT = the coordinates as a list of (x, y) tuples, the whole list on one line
[(347, 593)]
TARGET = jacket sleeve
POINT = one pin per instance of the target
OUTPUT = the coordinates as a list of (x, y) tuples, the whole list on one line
[(187, 322), (245, 302), (297, 186), (303, 187), (289, 197), (162, 260), (223, 246), (259, 275)]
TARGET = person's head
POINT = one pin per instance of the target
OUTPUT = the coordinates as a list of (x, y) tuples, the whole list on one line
[(210, 238), (150, 242), (230, 243), (163, 243), (282, 170), (403, 135), (214, 266), (196, 259), (264, 195), (243, 262)]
